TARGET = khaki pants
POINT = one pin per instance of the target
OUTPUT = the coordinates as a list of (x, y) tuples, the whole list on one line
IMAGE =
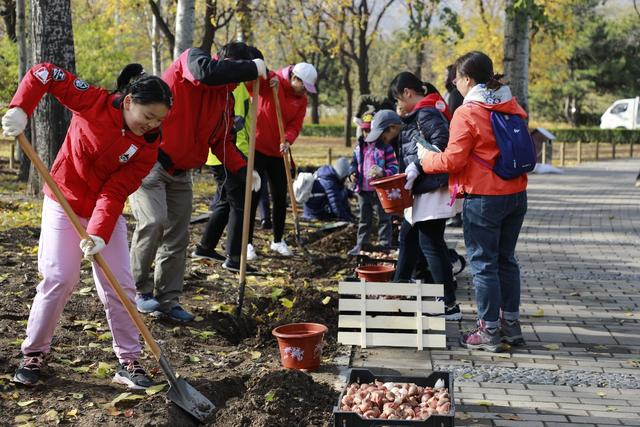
[(162, 209)]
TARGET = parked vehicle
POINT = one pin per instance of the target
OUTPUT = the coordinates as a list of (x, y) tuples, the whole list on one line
[(622, 114)]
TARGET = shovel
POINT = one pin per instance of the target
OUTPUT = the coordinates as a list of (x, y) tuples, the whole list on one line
[(180, 392), (287, 167)]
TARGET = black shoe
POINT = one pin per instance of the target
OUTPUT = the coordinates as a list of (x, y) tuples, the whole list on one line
[(266, 224), (132, 374), (30, 368), (235, 266), (206, 253), (452, 312), (456, 221)]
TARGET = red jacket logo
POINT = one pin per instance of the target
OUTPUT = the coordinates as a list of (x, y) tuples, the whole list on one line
[(124, 157), (42, 74)]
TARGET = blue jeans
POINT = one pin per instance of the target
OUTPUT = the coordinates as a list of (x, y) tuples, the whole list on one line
[(491, 228)]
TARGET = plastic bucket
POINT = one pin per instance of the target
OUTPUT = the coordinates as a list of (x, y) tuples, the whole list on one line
[(300, 345), (375, 273), (392, 194)]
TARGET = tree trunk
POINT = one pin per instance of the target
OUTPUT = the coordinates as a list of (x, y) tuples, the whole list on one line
[(156, 55), (209, 30), (23, 63), (516, 52), (348, 89), (315, 108), (51, 41), (419, 61), (8, 13), (185, 22), (243, 15), (363, 60)]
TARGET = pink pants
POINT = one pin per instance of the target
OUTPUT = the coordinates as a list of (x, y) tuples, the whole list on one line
[(59, 258)]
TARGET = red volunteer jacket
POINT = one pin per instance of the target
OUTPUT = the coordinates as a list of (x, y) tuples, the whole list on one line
[(294, 107), (202, 113), (101, 162)]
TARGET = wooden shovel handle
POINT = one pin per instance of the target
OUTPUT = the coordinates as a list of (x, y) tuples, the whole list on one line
[(287, 162), (133, 313)]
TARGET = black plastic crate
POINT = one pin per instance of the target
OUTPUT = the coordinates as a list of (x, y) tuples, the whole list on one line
[(360, 376)]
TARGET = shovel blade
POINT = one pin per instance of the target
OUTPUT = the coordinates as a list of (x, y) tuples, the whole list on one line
[(190, 400)]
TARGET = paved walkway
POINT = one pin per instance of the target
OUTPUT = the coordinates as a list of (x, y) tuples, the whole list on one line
[(580, 257)]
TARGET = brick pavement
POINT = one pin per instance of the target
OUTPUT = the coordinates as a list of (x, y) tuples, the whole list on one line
[(580, 258)]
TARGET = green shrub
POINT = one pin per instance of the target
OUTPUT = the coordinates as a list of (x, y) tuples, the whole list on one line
[(586, 135), (325, 130)]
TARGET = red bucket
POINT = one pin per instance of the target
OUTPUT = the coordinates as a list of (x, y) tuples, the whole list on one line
[(300, 345), (392, 194), (375, 273)]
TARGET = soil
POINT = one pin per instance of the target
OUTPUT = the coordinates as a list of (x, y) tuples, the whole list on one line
[(233, 362)]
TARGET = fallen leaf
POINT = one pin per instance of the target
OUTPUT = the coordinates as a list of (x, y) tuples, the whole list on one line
[(611, 408), (77, 395), (155, 389), (17, 341), (112, 410), (276, 292), (539, 313), (105, 336), (22, 418), (462, 416), (326, 300), (85, 290), (551, 346), (601, 393), (26, 403), (269, 396), (467, 376), (484, 403), (194, 359), (255, 355), (574, 294), (511, 417), (103, 370), (197, 298), (52, 416), (72, 413), (128, 413), (629, 314), (287, 303), (198, 319), (635, 363), (81, 369), (124, 397)]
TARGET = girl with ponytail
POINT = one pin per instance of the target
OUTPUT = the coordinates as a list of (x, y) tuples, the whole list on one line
[(493, 209), (111, 144), (426, 124)]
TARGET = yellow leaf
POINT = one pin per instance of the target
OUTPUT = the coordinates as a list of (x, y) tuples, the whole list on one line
[(601, 393), (255, 355), (51, 415), (194, 359), (197, 298), (26, 403), (539, 313), (611, 408), (22, 418), (103, 370), (81, 369), (155, 389), (551, 346), (629, 314), (484, 403), (326, 300), (105, 337), (85, 290), (198, 319), (72, 413), (287, 303), (124, 397)]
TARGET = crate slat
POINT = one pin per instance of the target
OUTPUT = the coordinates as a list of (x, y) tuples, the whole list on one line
[(396, 289), (391, 322), (389, 305), (392, 339)]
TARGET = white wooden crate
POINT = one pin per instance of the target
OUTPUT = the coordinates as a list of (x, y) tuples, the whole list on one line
[(377, 312)]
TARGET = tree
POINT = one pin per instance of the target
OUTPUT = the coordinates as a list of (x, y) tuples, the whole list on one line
[(214, 20), (243, 18), (51, 41), (8, 13), (185, 22), (23, 64), (516, 49)]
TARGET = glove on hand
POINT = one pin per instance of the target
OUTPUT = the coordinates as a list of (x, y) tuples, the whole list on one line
[(375, 171), (412, 173), (92, 246), (262, 68), (14, 122), (284, 147), (256, 182)]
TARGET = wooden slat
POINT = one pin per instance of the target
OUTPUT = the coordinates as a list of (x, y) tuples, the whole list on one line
[(391, 322), (390, 305), (398, 289), (393, 340)]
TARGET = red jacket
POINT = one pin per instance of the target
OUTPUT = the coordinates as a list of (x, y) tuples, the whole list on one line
[(202, 112), (101, 162), (471, 132), (294, 108)]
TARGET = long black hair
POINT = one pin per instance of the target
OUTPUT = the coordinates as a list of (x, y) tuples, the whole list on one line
[(479, 67), (143, 88), (408, 80)]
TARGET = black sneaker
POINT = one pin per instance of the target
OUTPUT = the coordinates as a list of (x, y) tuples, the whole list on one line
[(206, 253), (132, 374), (266, 225), (452, 312), (235, 266), (28, 372)]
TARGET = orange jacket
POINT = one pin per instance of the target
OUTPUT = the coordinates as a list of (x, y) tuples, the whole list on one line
[(471, 132)]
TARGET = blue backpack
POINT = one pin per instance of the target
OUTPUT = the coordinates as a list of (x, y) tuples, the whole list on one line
[(517, 152)]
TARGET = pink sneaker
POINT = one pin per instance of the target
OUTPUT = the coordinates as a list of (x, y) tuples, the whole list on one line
[(482, 339)]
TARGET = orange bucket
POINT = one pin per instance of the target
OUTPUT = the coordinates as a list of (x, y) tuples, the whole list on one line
[(300, 345), (375, 273), (393, 197)]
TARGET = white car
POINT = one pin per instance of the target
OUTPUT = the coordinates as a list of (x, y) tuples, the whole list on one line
[(622, 114)]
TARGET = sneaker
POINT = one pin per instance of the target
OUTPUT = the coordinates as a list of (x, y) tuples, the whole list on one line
[(456, 221), (146, 303), (206, 253), (511, 332), (132, 374), (482, 338), (235, 266), (355, 251), (281, 247), (28, 372), (176, 313), (251, 253), (266, 224), (452, 312)]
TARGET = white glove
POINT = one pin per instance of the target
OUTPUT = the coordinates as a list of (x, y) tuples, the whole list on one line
[(92, 246), (262, 68), (284, 147), (375, 171), (412, 173), (256, 182), (14, 122)]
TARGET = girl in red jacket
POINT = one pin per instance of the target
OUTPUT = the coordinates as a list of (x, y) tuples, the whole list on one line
[(111, 144), (493, 209), (294, 83)]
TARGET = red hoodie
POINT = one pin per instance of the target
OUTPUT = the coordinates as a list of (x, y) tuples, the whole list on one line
[(471, 132), (434, 100), (294, 108), (100, 162)]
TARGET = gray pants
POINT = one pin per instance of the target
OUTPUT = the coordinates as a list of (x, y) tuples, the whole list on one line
[(368, 201), (162, 209)]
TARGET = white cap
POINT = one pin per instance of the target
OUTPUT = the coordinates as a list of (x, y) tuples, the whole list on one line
[(342, 167), (308, 74)]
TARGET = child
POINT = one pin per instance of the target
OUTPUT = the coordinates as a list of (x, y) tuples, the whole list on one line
[(374, 158), (329, 198), (123, 128)]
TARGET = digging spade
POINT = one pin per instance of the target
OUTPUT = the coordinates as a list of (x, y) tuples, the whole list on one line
[(180, 392), (287, 167)]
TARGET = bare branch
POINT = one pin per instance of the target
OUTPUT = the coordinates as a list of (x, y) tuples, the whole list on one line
[(164, 27)]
